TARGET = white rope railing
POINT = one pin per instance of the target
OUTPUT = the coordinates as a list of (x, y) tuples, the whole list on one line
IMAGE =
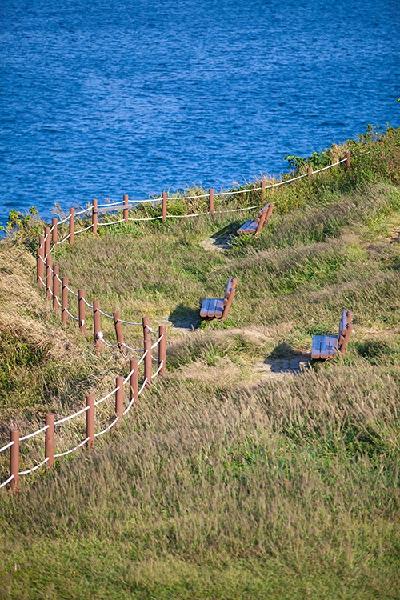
[(60, 454), (6, 447), (33, 469), (142, 358), (65, 238), (107, 396), (31, 435), (110, 426), (86, 302), (69, 417), (71, 315), (83, 230), (184, 216), (156, 342), (127, 378), (105, 314), (82, 411), (118, 204), (84, 210), (7, 481), (129, 322), (160, 366), (142, 386)]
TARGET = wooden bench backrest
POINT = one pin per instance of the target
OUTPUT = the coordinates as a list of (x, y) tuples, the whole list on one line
[(230, 291), (345, 329), (263, 215)]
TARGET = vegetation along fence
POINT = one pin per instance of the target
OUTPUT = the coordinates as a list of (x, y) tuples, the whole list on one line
[(59, 294)]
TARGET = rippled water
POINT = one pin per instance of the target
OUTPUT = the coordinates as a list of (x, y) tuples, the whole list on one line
[(104, 97)]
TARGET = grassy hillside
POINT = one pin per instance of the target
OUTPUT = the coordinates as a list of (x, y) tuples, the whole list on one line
[(235, 478)]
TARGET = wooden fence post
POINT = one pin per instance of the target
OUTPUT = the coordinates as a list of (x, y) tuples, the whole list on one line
[(40, 262), (309, 170), (97, 333), (49, 277), (54, 224), (211, 202), (118, 330), (125, 212), (64, 300), (49, 440), (56, 288), (90, 421), (164, 207), (95, 216), (347, 163), (119, 396), (134, 380), (263, 189), (71, 226), (162, 349), (147, 349), (14, 460), (81, 312), (47, 241)]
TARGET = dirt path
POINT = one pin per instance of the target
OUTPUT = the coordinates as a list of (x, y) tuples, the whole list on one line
[(280, 363)]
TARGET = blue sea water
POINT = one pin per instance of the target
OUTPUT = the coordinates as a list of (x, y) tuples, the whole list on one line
[(103, 97)]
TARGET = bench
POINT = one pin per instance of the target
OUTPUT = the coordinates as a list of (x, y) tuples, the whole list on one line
[(218, 308), (256, 226), (329, 345)]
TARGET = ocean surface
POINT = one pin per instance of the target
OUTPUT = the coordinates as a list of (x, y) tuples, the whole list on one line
[(104, 97)]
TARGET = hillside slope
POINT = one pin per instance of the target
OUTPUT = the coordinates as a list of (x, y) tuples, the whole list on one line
[(236, 478)]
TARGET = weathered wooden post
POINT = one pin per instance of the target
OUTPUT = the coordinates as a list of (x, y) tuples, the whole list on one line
[(119, 396), (147, 350), (95, 216), (211, 202), (64, 301), (71, 232), (40, 262), (162, 349), (49, 440), (97, 333), (134, 380), (347, 163), (14, 460), (164, 207), (47, 241), (90, 421), (81, 312), (263, 189), (56, 288), (125, 212), (49, 276), (309, 171), (118, 330), (54, 226)]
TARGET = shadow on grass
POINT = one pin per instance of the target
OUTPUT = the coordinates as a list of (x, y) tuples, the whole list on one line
[(185, 317), (221, 240), (285, 359)]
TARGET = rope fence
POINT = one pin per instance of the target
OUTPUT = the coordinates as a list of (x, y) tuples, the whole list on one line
[(95, 208), (125, 393), (58, 292), (48, 274)]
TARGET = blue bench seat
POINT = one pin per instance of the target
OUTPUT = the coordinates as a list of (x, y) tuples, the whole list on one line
[(255, 226), (218, 308), (248, 227), (324, 346), (329, 345)]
